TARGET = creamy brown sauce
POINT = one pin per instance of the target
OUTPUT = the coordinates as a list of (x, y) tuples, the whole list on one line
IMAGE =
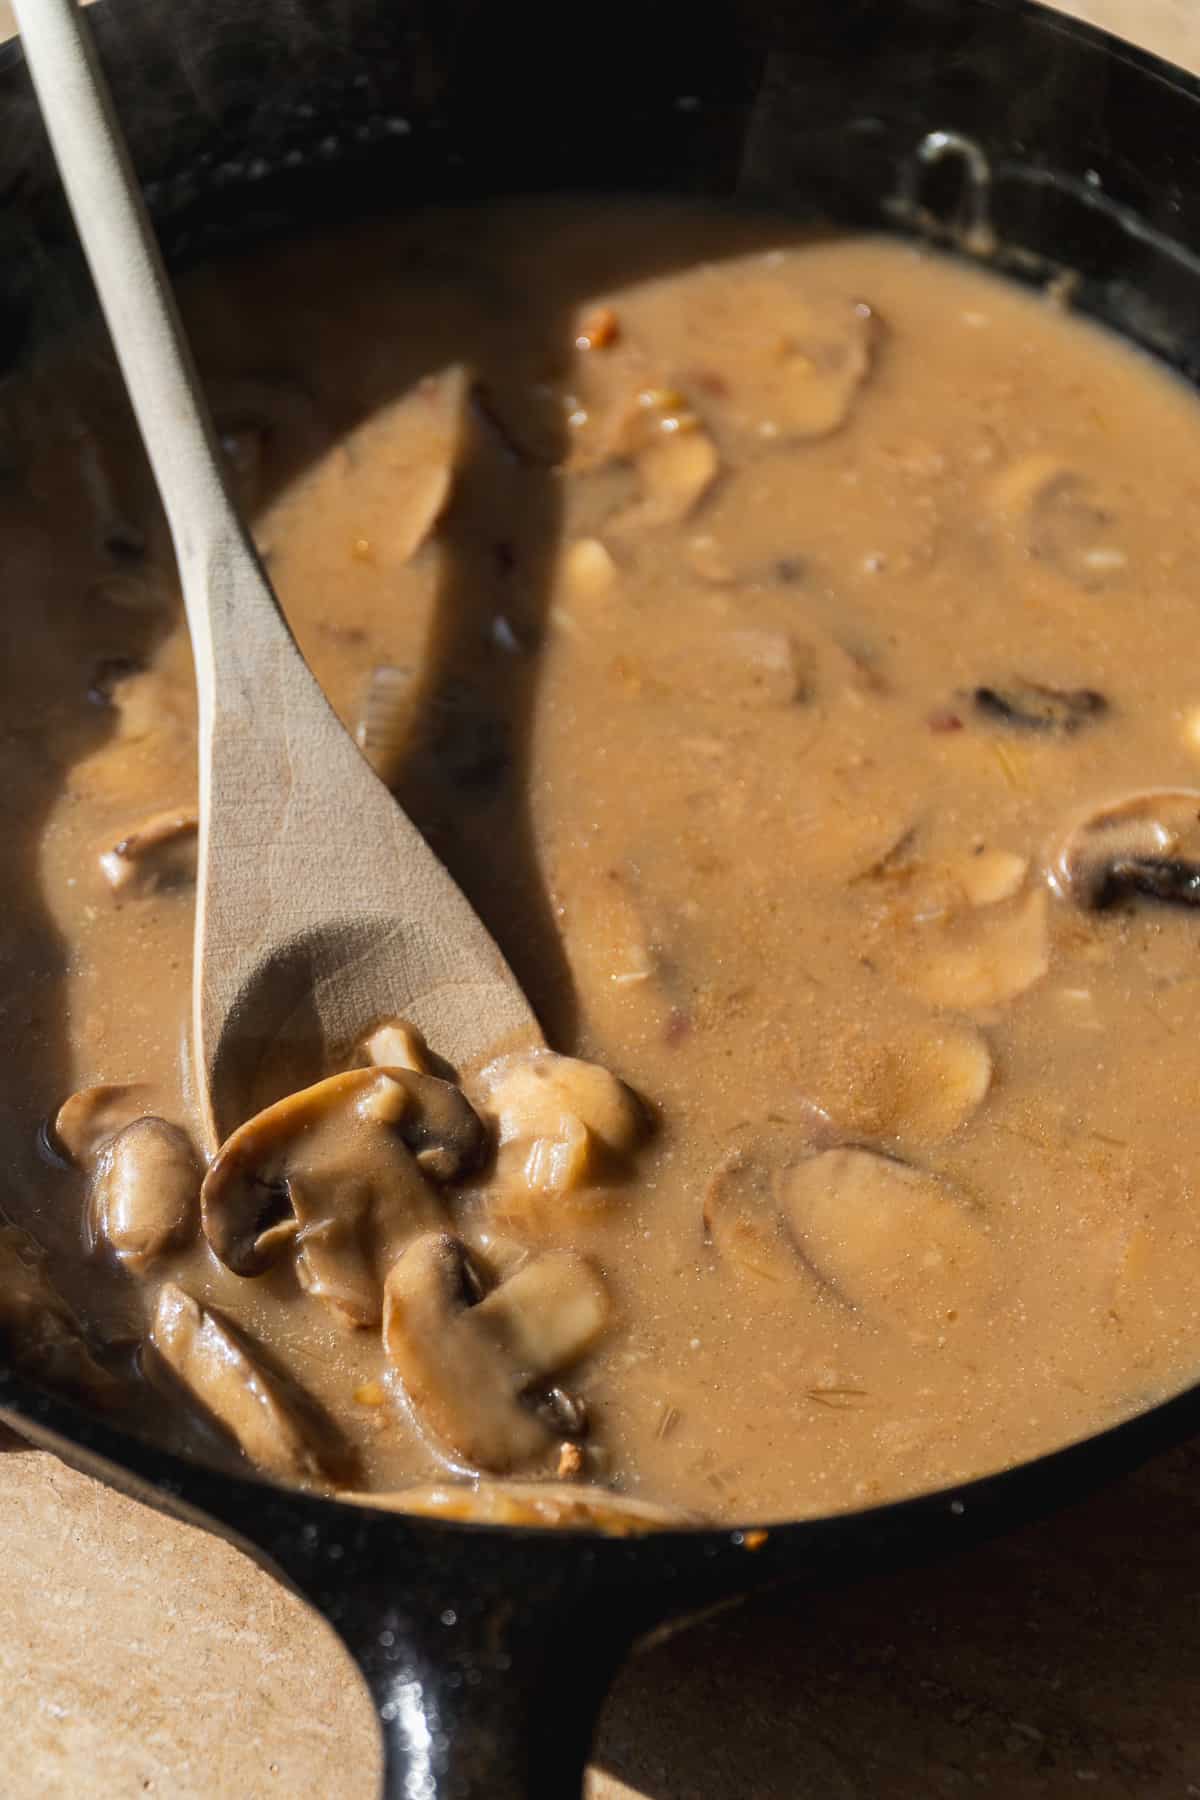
[(750, 668)]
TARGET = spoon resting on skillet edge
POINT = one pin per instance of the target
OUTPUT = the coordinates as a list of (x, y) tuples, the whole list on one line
[(320, 909)]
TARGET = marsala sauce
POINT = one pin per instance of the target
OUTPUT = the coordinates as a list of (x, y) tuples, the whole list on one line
[(738, 787)]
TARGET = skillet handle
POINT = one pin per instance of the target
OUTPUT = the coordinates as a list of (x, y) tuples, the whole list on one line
[(488, 1652), (499, 1705)]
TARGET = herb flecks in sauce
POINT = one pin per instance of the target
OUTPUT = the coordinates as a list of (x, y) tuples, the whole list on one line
[(791, 649)]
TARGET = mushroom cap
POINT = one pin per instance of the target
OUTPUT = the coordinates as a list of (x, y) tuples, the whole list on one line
[(532, 1093), (92, 1116), (466, 1363), (275, 1424), (144, 1192), (896, 1242), (160, 852), (1099, 856), (363, 1126)]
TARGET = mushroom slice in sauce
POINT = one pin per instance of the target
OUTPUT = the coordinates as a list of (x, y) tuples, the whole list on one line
[(1144, 846), (271, 1420), (421, 461), (740, 667), (915, 1083), (560, 1122), (613, 942), (144, 1197), (896, 1242), (340, 1173), (468, 1364), (997, 954), (383, 726), (587, 572), (87, 1120), (812, 366), (675, 472), (563, 1506), (1035, 706), (41, 1332), (742, 1219), (1056, 513), (742, 1207), (160, 853), (987, 877), (397, 1045), (801, 358)]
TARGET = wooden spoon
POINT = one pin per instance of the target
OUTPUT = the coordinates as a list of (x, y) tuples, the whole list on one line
[(320, 910)]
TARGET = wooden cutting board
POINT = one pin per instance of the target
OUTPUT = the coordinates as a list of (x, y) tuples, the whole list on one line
[(141, 1657)]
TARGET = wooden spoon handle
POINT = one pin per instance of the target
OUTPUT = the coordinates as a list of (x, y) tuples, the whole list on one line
[(319, 908), (135, 293)]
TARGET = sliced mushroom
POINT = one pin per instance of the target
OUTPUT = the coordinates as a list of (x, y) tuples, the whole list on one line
[(144, 1197), (782, 367), (916, 1092), (530, 1090), (742, 1218), (498, 1254), (1144, 846), (1055, 513), (561, 1123), (87, 1120), (339, 1173), (543, 1317), (275, 1425), (613, 946), (802, 358), (161, 853), (745, 667), (774, 668), (40, 1331), (1035, 706), (397, 1045), (418, 445), (675, 471), (824, 359), (384, 720), (742, 1211), (468, 1364), (894, 1241), (996, 955), (554, 1505), (915, 1082), (587, 570), (990, 876)]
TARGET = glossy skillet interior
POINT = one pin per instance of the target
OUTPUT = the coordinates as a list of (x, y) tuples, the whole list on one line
[(1054, 149)]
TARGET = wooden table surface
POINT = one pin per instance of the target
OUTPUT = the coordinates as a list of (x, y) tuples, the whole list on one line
[(141, 1657)]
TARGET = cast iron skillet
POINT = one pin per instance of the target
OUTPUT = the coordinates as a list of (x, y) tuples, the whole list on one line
[(995, 126)]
